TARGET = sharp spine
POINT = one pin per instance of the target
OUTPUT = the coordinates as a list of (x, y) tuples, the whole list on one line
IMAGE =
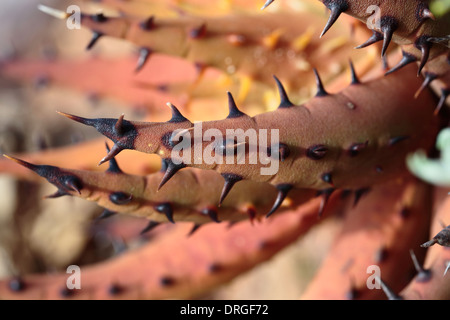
[(266, 4), (106, 214), (406, 59), (354, 76), (113, 165), (391, 295), (234, 112), (230, 180), (326, 194), (150, 226), (194, 229), (212, 214), (374, 38), (429, 77), (359, 194), (423, 275), (336, 7), (198, 33), (425, 48), (95, 37), (118, 127), (444, 94), (321, 92), (176, 114), (148, 24), (283, 190), (171, 170), (284, 99), (388, 27), (144, 54), (166, 209), (116, 149)]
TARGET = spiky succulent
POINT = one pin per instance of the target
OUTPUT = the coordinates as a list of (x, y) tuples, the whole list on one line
[(353, 138)]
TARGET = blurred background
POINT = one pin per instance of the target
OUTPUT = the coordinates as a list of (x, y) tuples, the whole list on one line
[(40, 235)]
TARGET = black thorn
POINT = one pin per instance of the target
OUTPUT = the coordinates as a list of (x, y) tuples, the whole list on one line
[(359, 194), (353, 293), (336, 7), (212, 213), (444, 94), (283, 190), (85, 121), (388, 27), (405, 212), (391, 295), (120, 198), (166, 209), (118, 126), (284, 99), (234, 112), (442, 238), (66, 292), (425, 46), (320, 89), (150, 226), (251, 212), (385, 63), (57, 194), (406, 59), (194, 229), (374, 38), (176, 114), (73, 183), (396, 140), (144, 54), (381, 255), (16, 284), (214, 267), (429, 77), (172, 168), (423, 275), (148, 24), (115, 289), (354, 76), (198, 33), (94, 39), (64, 181), (164, 164), (106, 214), (166, 281), (99, 17), (346, 193), (107, 127), (230, 180), (116, 149), (326, 194), (42, 81), (113, 165)]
